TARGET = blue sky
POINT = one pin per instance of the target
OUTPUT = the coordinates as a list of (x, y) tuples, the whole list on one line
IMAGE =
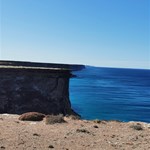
[(111, 33)]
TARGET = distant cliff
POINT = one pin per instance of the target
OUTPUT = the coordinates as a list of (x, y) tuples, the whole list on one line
[(26, 87)]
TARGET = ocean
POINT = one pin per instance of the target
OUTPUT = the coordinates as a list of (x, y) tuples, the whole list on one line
[(111, 94)]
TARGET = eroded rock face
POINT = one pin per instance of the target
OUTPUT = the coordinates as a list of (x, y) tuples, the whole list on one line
[(34, 90)]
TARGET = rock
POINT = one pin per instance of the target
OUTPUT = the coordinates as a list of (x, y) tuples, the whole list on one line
[(35, 134), (50, 146), (95, 126), (2, 147), (32, 116), (35, 87)]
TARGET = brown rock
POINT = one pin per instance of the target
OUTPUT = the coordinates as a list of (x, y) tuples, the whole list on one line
[(50, 146), (32, 116)]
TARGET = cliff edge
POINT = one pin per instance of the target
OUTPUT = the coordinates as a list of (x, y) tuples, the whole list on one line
[(39, 87)]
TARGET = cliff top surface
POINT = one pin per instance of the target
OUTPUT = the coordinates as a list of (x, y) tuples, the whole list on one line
[(28, 67), (40, 66)]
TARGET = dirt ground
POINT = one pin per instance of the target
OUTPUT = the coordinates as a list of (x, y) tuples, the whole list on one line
[(72, 135)]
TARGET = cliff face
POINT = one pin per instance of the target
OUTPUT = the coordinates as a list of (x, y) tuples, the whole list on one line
[(34, 89)]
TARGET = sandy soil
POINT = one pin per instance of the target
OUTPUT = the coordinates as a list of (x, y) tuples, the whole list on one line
[(73, 135)]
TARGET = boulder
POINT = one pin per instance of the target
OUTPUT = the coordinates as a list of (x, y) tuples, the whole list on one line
[(32, 116)]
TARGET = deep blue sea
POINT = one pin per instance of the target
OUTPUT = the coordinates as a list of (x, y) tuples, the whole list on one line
[(109, 93)]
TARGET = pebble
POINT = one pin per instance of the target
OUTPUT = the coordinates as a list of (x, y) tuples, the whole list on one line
[(2, 147), (50, 146)]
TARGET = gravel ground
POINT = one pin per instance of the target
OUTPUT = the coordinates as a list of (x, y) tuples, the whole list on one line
[(72, 135)]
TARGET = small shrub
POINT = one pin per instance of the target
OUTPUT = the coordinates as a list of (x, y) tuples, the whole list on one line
[(83, 131), (52, 119), (97, 121), (32, 116), (137, 127)]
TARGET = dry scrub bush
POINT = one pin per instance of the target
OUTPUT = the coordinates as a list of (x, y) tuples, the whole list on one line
[(52, 119), (97, 121), (137, 127), (82, 130), (100, 121)]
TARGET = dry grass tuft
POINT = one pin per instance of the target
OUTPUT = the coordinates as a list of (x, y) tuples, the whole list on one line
[(52, 119), (137, 127), (100, 121), (73, 117), (83, 131), (97, 121)]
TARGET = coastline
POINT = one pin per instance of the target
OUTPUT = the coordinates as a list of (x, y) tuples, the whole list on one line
[(72, 135)]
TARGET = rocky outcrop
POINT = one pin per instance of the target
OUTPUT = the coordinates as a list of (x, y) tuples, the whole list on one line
[(34, 89)]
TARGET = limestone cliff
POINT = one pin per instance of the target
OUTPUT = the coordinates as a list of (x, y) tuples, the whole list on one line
[(29, 88)]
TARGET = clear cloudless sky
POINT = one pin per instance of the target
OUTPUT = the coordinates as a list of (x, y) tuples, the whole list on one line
[(111, 33)]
